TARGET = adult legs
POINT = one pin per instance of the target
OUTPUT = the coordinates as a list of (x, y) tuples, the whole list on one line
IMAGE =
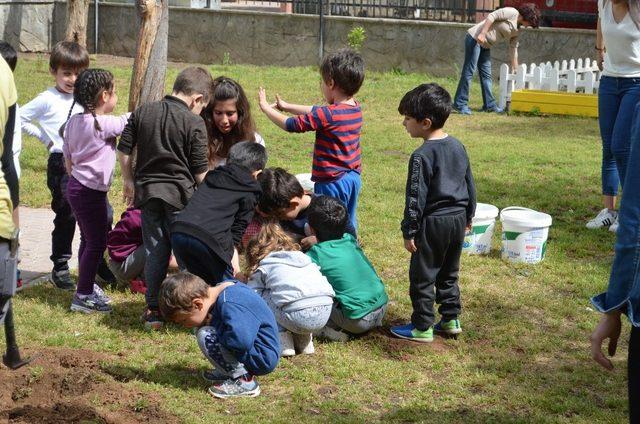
[(486, 82), (608, 106), (471, 54), (629, 96)]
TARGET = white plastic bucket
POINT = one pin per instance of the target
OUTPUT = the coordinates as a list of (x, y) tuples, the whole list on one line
[(524, 234), (478, 242), (305, 181)]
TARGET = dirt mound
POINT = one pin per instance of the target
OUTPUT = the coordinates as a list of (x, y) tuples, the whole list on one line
[(69, 386)]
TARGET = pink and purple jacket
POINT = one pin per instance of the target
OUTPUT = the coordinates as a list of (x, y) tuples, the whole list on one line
[(337, 146), (92, 152)]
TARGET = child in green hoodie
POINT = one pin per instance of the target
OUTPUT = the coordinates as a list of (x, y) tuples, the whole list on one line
[(361, 300)]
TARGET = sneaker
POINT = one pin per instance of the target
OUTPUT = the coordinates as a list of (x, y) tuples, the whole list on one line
[(62, 280), (410, 332), (238, 387), (89, 304), (214, 375), (331, 334), (448, 327), (614, 227), (304, 343), (286, 344), (137, 286), (152, 319), (104, 275), (604, 218), (97, 290), (463, 110), (494, 109)]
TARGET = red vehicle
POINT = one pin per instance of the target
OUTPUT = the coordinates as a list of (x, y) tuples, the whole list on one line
[(564, 13)]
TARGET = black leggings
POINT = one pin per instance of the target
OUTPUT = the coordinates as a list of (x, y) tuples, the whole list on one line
[(634, 375)]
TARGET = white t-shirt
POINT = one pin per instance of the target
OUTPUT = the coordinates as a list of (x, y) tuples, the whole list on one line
[(17, 142), (50, 110), (622, 43), (223, 161)]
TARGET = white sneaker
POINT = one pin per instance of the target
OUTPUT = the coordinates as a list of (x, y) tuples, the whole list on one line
[(604, 218), (331, 334), (286, 344), (304, 343), (614, 227)]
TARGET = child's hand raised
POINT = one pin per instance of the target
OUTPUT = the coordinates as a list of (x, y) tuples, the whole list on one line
[(262, 99), (280, 104)]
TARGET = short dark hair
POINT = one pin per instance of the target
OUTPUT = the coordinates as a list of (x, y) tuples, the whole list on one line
[(278, 188), (9, 54), (248, 154), (346, 68), (68, 54), (530, 13), (194, 79), (427, 101), (178, 291), (328, 217)]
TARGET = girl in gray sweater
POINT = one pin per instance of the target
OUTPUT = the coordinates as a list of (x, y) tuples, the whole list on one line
[(292, 285)]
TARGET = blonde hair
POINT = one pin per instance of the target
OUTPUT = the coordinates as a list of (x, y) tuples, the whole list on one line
[(271, 238)]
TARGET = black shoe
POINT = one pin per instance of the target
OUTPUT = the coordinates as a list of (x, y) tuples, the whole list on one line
[(62, 280), (104, 275)]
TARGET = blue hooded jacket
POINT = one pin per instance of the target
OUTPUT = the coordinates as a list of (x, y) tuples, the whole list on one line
[(247, 328)]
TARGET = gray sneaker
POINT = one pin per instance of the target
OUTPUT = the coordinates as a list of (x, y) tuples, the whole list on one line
[(235, 387), (97, 290), (90, 304), (62, 280)]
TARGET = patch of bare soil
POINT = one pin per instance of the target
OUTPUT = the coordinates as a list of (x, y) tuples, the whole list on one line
[(69, 386)]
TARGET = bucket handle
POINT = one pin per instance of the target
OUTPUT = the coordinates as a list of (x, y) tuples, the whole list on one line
[(516, 208)]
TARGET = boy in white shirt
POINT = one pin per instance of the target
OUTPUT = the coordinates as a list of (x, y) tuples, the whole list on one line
[(42, 118)]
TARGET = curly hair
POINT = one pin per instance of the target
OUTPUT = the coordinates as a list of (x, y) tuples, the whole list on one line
[(87, 90), (530, 13), (271, 238), (223, 89)]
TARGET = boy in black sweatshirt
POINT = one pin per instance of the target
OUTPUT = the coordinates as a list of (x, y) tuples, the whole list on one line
[(205, 234), (440, 204)]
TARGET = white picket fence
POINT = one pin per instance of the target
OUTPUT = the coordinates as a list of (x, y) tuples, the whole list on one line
[(581, 76)]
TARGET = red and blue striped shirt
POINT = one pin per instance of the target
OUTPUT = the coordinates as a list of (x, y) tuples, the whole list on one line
[(337, 146)]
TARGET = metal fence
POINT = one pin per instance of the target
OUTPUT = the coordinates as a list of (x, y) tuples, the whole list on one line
[(440, 10)]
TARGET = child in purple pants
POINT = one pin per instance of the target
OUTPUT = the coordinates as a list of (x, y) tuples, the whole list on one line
[(89, 153)]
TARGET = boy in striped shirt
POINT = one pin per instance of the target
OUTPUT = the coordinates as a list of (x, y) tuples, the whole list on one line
[(336, 152)]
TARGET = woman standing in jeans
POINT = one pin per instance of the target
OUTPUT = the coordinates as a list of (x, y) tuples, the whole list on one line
[(623, 294), (618, 47), (500, 25)]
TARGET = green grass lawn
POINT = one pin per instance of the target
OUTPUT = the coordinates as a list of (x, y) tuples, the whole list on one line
[(523, 356)]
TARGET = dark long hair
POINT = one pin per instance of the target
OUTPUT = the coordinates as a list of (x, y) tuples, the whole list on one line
[(223, 89), (530, 13), (87, 91)]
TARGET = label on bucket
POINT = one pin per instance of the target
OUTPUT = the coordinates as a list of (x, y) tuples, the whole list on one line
[(529, 247), (478, 241)]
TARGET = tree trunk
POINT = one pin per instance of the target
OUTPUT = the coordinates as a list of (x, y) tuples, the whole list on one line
[(150, 63), (77, 12)]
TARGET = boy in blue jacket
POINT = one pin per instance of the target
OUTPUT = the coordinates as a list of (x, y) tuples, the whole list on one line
[(237, 331)]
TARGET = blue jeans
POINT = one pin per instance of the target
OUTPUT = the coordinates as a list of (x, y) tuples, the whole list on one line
[(624, 282), (475, 57), (617, 99), (346, 189), (199, 259)]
